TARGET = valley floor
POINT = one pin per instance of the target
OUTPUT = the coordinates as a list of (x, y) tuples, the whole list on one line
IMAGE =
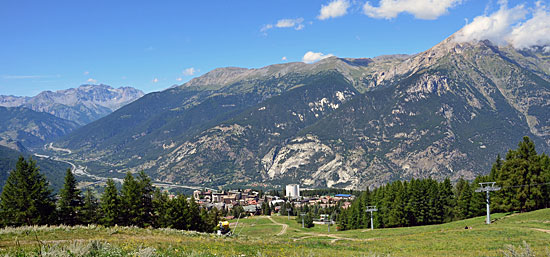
[(279, 236)]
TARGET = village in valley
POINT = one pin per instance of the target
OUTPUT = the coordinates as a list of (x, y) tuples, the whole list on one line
[(250, 202)]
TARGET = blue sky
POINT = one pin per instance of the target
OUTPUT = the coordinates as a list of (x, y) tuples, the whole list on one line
[(152, 45)]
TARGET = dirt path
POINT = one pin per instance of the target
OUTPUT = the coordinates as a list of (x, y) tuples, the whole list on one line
[(285, 226), (334, 237), (542, 230)]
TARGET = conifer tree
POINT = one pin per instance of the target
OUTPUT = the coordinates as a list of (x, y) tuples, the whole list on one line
[(193, 217), (110, 205), (89, 211), (160, 209), (521, 167), (70, 201), (26, 198), (178, 211), (447, 200), (146, 206), (463, 199), (130, 201)]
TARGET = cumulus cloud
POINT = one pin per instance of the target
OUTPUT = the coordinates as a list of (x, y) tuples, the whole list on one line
[(420, 9), (91, 80), (334, 9), (535, 31), (297, 24), (495, 27), (515, 26), (311, 57), (179, 79), (284, 58), (155, 80), (189, 71)]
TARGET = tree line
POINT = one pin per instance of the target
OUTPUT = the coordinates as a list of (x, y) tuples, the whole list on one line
[(26, 199), (524, 178)]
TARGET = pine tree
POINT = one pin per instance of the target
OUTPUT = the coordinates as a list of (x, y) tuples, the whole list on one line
[(178, 211), (89, 211), (146, 210), (110, 205), (521, 167), (70, 201), (130, 201), (26, 197), (193, 217), (160, 209), (464, 198), (446, 197)]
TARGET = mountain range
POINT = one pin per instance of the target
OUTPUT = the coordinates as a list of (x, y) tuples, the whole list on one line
[(28, 123), (339, 122), (82, 105)]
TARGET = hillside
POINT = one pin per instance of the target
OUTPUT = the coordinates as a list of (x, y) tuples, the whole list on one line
[(53, 170), (278, 236), (82, 105), (340, 122), (23, 129)]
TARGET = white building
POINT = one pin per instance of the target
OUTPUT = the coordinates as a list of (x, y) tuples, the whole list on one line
[(293, 191)]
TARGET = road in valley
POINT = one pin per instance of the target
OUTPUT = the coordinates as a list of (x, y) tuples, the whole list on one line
[(83, 171)]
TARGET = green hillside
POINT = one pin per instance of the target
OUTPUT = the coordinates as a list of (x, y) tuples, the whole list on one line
[(22, 128), (278, 236), (53, 170)]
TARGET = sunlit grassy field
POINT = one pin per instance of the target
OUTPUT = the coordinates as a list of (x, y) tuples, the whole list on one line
[(261, 236)]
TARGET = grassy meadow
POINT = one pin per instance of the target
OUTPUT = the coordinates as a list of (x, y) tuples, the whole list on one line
[(262, 236)]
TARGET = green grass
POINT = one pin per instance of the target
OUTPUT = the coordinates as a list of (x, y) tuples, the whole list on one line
[(257, 236)]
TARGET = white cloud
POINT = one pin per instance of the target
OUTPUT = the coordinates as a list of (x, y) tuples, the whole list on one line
[(155, 80), (297, 24), (179, 79), (266, 28), (310, 57), (86, 72), (284, 58), (334, 9), (535, 31), (91, 80), (510, 26), (288, 23), (495, 27), (420, 9), (189, 71)]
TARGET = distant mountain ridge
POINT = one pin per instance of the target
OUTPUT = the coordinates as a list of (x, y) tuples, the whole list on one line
[(339, 122), (23, 129), (82, 105)]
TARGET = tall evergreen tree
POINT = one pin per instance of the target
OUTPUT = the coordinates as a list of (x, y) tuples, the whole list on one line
[(110, 205), (70, 201), (178, 211), (146, 190), (89, 211), (160, 209), (130, 201), (519, 176), (26, 198), (448, 202), (193, 217)]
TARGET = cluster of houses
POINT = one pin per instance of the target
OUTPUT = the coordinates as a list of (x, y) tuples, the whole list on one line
[(251, 201)]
